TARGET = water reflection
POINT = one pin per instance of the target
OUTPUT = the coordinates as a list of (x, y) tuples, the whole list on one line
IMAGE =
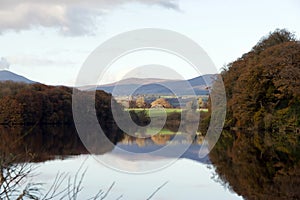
[(189, 173), (259, 165), (47, 142), (151, 144), (254, 164), (186, 180)]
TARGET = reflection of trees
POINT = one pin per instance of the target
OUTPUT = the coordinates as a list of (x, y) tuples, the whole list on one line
[(160, 139), (140, 142), (262, 90), (21, 145), (44, 142), (259, 165)]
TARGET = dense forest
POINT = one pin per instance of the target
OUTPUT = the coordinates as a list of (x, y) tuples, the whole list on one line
[(37, 120), (263, 86), (30, 104), (260, 160)]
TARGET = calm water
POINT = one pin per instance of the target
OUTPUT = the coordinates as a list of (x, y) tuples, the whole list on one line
[(186, 178), (267, 167), (136, 175)]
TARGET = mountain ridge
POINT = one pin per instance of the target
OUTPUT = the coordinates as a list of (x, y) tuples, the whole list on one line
[(198, 85), (140, 86), (10, 76)]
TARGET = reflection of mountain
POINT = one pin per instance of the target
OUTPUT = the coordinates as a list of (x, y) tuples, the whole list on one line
[(159, 86), (190, 153)]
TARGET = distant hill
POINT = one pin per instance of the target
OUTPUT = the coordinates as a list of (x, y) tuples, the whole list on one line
[(9, 76), (160, 86), (138, 81), (140, 85)]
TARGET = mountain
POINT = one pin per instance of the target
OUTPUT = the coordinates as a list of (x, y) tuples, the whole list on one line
[(124, 87), (198, 85), (9, 76), (139, 81)]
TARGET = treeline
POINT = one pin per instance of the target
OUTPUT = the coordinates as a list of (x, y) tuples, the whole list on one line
[(263, 86), (30, 104), (154, 102), (263, 96), (34, 104)]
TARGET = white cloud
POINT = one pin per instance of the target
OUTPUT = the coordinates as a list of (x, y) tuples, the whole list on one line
[(71, 17), (4, 64), (39, 61)]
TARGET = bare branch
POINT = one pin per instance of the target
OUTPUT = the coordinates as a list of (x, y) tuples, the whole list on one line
[(159, 188)]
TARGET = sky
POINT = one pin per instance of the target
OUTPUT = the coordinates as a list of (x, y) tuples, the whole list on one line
[(48, 41)]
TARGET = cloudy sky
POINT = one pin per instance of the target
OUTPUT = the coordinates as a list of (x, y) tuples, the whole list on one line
[(48, 41)]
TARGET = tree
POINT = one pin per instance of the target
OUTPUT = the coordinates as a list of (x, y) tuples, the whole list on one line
[(161, 102), (10, 111), (192, 105), (279, 36), (132, 104), (140, 102), (264, 84)]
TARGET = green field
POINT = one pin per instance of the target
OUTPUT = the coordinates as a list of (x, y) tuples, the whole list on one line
[(160, 111), (173, 115), (164, 131)]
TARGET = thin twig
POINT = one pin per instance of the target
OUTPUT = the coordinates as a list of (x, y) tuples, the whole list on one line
[(159, 188), (120, 197), (109, 189)]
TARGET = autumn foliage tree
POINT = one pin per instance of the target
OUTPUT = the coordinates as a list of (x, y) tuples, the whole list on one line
[(161, 102), (30, 104), (263, 86)]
